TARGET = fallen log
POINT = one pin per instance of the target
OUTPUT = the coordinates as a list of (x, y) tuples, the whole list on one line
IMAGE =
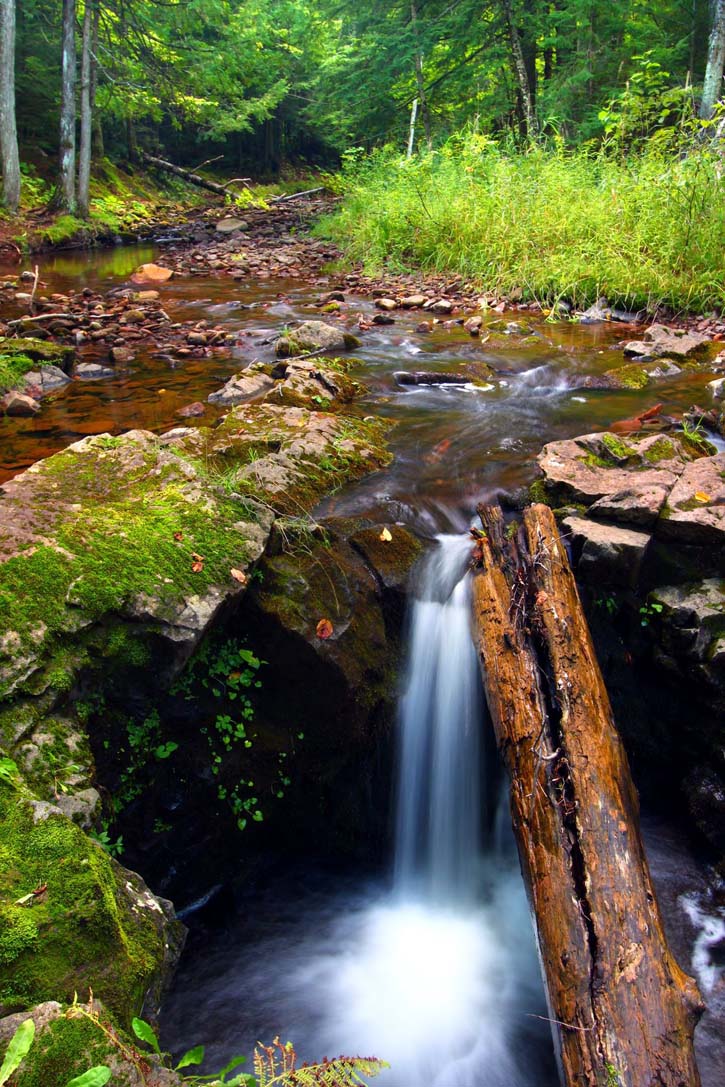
[(623, 1011), (422, 377), (188, 175)]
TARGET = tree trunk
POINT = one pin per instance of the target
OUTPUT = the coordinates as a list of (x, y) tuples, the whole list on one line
[(622, 1009), (527, 97), (8, 130), (64, 198), (188, 175), (84, 157), (419, 80), (712, 87), (97, 148)]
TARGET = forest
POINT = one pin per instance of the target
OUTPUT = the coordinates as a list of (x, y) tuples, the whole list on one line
[(362, 543)]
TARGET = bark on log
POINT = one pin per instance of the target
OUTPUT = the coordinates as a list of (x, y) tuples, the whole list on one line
[(624, 1011), (188, 175)]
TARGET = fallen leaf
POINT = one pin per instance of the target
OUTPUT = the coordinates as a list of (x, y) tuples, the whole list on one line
[(161, 392), (178, 536), (197, 558), (239, 576), (700, 496), (324, 629), (386, 535), (198, 564)]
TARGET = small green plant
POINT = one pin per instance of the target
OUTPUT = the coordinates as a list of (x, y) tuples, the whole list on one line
[(17, 1050), (613, 1078), (648, 611), (607, 603), (9, 771), (113, 846)]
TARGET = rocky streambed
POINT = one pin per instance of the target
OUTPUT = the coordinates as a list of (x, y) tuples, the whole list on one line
[(205, 560)]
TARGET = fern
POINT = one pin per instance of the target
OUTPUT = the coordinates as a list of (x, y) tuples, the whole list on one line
[(275, 1066)]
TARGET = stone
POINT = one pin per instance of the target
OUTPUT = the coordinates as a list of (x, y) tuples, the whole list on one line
[(36, 349), (473, 325), (413, 301), (386, 303), (314, 336), (383, 319), (197, 339), (717, 388), (594, 466), (83, 807), (146, 296), (230, 225), (331, 296), (21, 405), (93, 371), (242, 387), (46, 379), (314, 385), (121, 355), (604, 553), (659, 341), (151, 273), (695, 512), (442, 305), (190, 411), (638, 505)]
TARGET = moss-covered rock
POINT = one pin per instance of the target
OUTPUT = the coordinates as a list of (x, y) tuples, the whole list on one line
[(37, 351), (88, 923)]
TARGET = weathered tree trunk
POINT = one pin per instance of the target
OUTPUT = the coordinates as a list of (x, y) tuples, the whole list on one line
[(623, 1010), (712, 87), (84, 155), (522, 76), (64, 198), (8, 130)]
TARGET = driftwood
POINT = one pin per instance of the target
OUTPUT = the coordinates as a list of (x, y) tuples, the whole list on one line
[(624, 1012), (295, 195), (421, 377)]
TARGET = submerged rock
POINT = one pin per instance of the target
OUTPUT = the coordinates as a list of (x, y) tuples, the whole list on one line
[(245, 385), (19, 404), (662, 342)]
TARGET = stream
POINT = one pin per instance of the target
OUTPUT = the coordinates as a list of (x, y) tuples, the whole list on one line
[(433, 969)]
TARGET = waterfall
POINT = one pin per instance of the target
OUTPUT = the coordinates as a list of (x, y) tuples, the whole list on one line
[(439, 775)]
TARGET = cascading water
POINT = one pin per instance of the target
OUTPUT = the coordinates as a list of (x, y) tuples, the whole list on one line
[(439, 810), (438, 975)]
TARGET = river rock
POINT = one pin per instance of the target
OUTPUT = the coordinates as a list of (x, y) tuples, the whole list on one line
[(93, 371), (151, 273), (606, 553), (413, 301), (695, 511), (230, 225), (36, 349), (191, 411), (314, 336), (46, 379), (473, 325), (442, 305), (598, 466), (386, 303), (677, 343), (121, 355), (243, 386), (16, 403)]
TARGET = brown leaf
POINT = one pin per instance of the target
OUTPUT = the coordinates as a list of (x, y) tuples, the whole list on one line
[(239, 576), (197, 558), (178, 536), (386, 535), (324, 629), (197, 567)]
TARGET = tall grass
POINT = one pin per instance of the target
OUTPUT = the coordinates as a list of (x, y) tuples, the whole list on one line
[(569, 224)]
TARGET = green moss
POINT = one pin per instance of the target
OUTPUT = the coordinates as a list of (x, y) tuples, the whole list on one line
[(618, 447), (64, 1049), (632, 376), (37, 350), (63, 229), (539, 493), (13, 369), (662, 449), (83, 931)]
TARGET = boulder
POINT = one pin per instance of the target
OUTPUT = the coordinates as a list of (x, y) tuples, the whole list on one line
[(386, 303), (46, 379), (37, 350), (604, 553), (96, 925), (244, 386), (93, 371), (191, 411), (676, 343), (122, 355), (314, 336), (695, 512), (442, 305), (151, 273), (413, 301), (19, 404)]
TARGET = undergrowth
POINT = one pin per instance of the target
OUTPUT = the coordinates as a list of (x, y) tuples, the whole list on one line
[(643, 230)]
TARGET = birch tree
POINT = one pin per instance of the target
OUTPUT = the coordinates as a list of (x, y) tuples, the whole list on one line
[(65, 194), (712, 87), (8, 131)]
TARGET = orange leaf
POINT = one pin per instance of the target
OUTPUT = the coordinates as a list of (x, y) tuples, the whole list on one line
[(197, 558), (386, 535), (197, 567), (178, 536), (239, 576), (700, 496), (324, 629)]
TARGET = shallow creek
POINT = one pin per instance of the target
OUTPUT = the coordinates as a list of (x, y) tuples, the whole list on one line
[(445, 987)]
